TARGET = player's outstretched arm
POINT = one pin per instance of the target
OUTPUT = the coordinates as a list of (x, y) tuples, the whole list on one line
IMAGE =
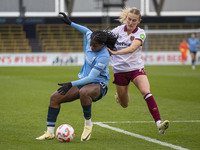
[(80, 28)]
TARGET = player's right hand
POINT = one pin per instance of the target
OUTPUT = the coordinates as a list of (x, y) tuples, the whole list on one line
[(65, 88), (65, 18)]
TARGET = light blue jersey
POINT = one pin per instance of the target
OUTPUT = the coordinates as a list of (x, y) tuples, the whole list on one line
[(93, 60), (193, 44)]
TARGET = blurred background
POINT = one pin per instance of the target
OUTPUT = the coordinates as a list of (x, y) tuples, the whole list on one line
[(29, 26)]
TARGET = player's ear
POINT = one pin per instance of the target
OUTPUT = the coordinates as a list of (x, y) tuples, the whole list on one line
[(140, 20)]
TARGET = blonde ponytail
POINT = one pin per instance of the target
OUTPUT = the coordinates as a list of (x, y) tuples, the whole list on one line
[(125, 11)]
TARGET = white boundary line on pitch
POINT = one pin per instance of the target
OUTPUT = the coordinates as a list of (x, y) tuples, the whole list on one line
[(183, 121), (101, 124)]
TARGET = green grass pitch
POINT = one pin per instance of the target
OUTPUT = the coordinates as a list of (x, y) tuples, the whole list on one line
[(24, 99)]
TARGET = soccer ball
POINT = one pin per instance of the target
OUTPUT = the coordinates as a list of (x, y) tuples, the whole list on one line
[(65, 133)]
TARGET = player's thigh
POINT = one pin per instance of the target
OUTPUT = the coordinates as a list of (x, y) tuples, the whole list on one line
[(91, 90), (192, 55), (122, 92), (71, 95), (142, 83)]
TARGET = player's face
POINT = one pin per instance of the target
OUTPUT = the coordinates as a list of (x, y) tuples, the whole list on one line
[(96, 46), (193, 36), (132, 21)]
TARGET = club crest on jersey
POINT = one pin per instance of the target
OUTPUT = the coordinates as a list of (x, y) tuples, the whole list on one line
[(132, 38)]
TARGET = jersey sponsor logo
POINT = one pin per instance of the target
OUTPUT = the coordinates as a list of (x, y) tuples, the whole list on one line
[(122, 43), (142, 36)]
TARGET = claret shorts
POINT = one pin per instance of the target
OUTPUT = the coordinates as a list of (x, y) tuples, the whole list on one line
[(124, 78)]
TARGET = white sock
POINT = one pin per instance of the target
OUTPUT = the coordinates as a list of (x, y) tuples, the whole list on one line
[(50, 130), (88, 122), (158, 122)]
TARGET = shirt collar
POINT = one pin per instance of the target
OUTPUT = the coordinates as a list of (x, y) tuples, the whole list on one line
[(125, 29)]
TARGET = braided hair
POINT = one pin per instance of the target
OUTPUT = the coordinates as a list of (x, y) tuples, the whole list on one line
[(104, 37)]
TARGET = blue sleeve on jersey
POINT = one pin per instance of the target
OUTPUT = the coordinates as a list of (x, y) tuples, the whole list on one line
[(90, 78), (102, 61), (80, 28), (197, 43)]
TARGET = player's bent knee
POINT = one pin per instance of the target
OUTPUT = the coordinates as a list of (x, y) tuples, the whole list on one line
[(124, 102), (124, 105), (83, 93), (53, 99), (85, 97)]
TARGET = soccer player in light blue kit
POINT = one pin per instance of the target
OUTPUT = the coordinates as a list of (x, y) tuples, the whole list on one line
[(193, 44), (91, 87)]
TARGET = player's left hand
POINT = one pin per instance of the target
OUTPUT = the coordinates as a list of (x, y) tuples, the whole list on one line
[(65, 18), (65, 88)]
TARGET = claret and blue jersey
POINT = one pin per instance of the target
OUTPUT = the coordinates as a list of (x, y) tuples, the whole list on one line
[(94, 60)]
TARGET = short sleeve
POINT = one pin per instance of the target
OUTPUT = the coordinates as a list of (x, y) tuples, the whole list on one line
[(141, 36)]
